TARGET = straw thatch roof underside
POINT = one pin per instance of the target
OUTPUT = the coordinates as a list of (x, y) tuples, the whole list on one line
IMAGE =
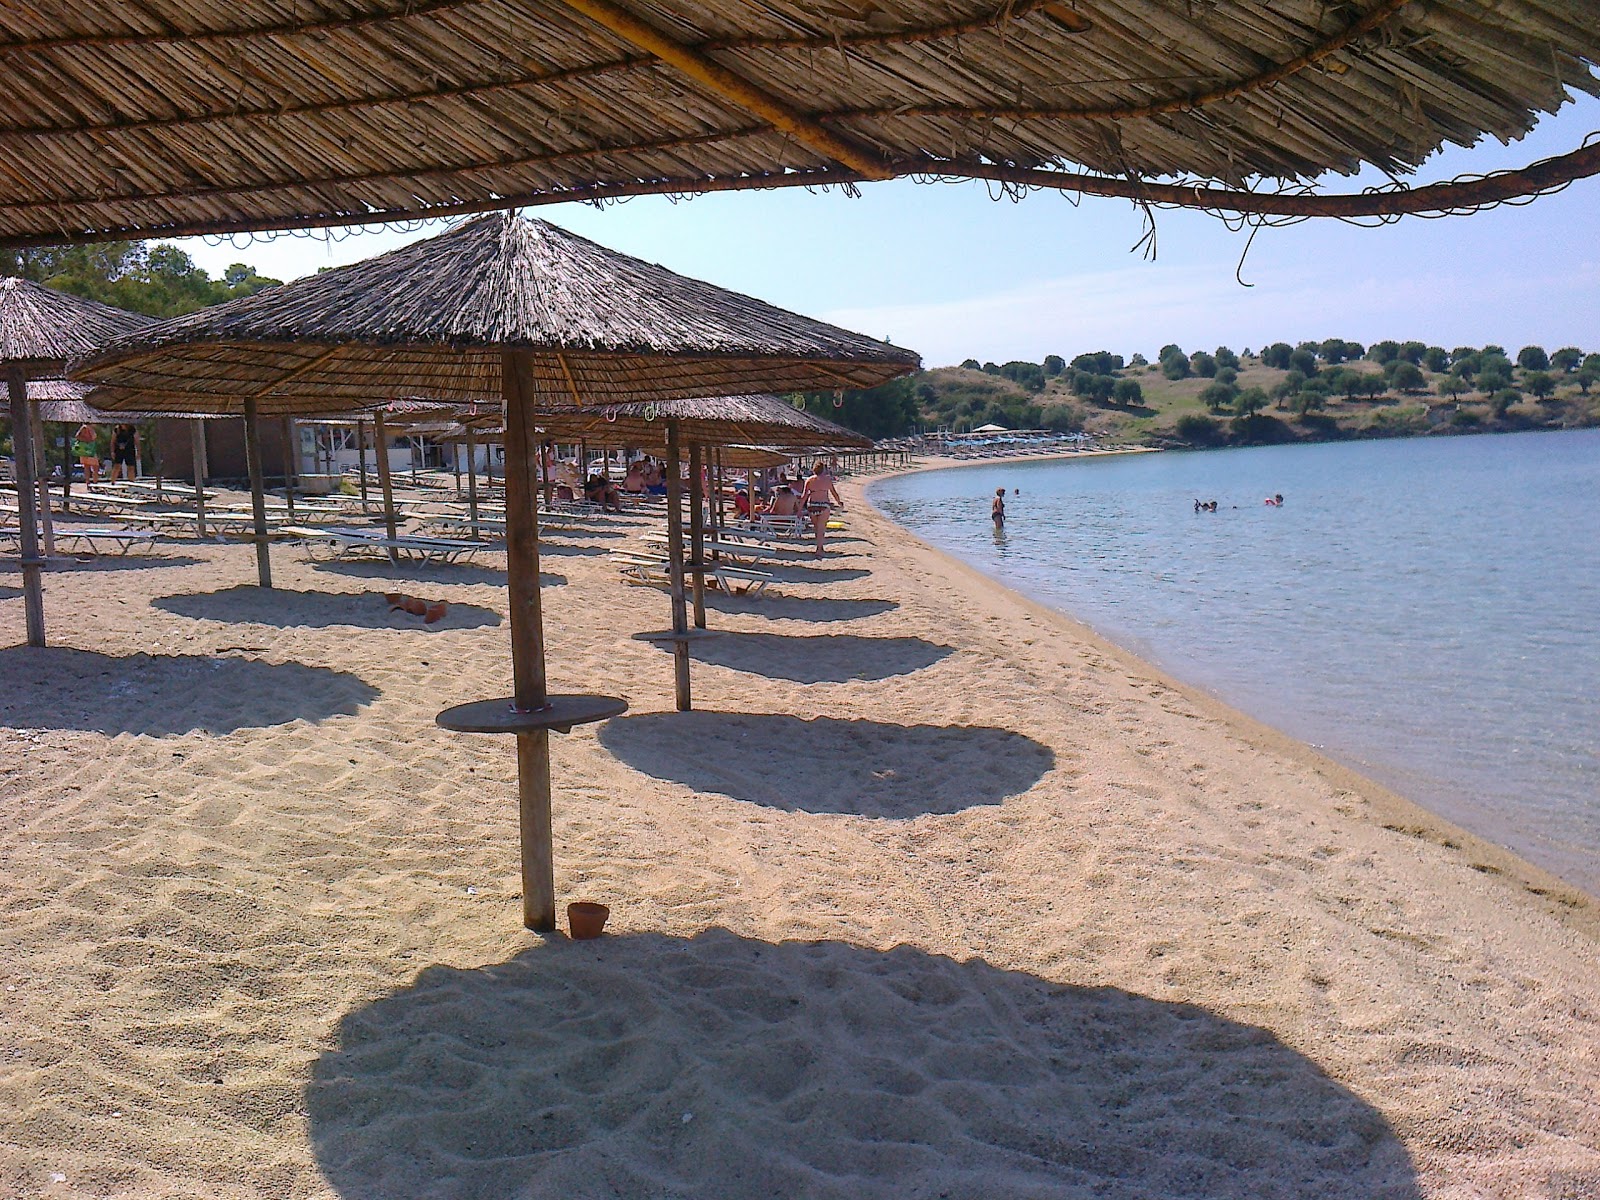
[(751, 458), (715, 421), (434, 318), (41, 327), (131, 117)]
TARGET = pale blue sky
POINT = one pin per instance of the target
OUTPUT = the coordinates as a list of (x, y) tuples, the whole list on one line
[(953, 274)]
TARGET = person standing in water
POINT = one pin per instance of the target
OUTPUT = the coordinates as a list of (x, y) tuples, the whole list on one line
[(997, 510)]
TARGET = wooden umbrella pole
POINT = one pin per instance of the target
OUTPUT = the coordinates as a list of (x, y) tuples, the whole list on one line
[(258, 499), (527, 640), (289, 465), (680, 612), (697, 533), (27, 528), (361, 461), (472, 482), (197, 446), (42, 481), (381, 436)]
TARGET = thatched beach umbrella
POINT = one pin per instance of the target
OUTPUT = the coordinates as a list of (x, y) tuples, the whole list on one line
[(130, 119), (667, 427), (499, 306), (40, 329)]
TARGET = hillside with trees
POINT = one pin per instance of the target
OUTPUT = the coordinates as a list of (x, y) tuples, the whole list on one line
[(1309, 391), (147, 277)]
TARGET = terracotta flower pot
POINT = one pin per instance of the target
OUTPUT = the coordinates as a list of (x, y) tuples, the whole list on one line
[(586, 919)]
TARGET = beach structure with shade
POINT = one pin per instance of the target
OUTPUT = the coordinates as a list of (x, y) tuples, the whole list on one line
[(499, 306), (351, 114), (667, 427), (40, 329)]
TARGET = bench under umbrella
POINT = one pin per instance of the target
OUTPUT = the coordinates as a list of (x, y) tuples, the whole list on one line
[(40, 329), (506, 307)]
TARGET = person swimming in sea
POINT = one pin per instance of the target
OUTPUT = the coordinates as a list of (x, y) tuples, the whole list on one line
[(997, 510)]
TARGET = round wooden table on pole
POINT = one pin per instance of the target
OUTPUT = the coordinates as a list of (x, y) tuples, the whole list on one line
[(531, 713), (27, 517), (258, 497)]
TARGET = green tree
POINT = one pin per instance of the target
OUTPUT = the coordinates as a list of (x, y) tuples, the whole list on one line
[(1383, 352), (1436, 358), (1227, 375), (1203, 364), (1288, 388), (1175, 366), (149, 277), (1461, 352), (1054, 364), (1216, 396), (1586, 377), (1502, 400), (1454, 386), (1533, 358), (1169, 350), (971, 364), (1304, 361), (1198, 430), (1138, 360), (1540, 383), (888, 410), (1412, 352), (1277, 355), (1313, 395), (1407, 377), (1127, 393), (1100, 362), (1249, 402), (1591, 362), (1492, 379), (1029, 375), (1567, 359), (1226, 359)]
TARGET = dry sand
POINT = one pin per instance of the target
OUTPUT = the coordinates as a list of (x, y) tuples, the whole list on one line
[(935, 895)]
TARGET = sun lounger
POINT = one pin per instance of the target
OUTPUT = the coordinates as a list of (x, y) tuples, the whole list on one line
[(794, 526), (97, 541), (354, 543), (649, 569)]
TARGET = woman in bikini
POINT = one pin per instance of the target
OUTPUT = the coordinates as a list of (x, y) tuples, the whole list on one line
[(819, 495)]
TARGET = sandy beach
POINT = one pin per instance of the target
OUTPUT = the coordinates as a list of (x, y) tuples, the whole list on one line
[(935, 895)]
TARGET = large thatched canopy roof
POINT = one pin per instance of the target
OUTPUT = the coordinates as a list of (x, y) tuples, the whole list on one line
[(40, 327), (434, 318), (149, 117)]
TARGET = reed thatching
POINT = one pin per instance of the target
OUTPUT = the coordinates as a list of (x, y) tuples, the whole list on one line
[(434, 318), (126, 118), (715, 421), (41, 328), (751, 458)]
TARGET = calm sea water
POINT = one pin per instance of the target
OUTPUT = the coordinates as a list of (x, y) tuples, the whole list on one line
[(1426, 611)]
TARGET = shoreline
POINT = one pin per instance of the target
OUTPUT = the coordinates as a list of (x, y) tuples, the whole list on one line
[(1550, 893)]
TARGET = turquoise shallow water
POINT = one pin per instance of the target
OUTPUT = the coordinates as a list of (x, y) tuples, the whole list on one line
[(1426, 611)]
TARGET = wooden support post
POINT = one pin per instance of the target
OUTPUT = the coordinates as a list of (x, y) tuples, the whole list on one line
[(380, 435), (680, 609), (361, 461), (197, 446), (41, 480), (27, 519), (527, 639), (289, 465), (258, 498), (472, 482), (697, 532)]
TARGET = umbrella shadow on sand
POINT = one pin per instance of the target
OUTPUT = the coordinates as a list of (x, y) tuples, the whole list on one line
[(285, 608), (408, 574), (821, 658), (8, 592), (719, 1065), (828, 765), (798, 608), (64, 563), (162, 695), (802, 572)]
